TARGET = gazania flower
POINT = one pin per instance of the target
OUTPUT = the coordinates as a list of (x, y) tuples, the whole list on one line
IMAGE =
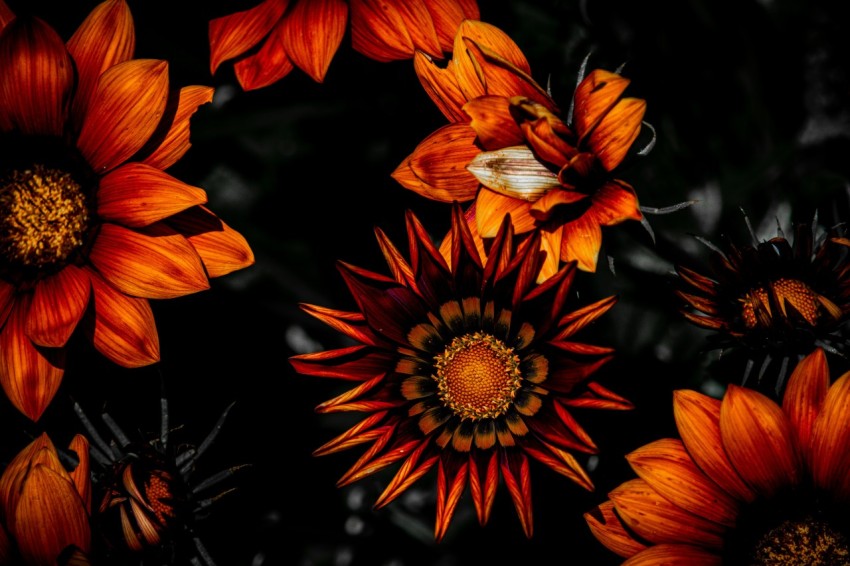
[(775, 299), (750, 481), (510, 148), (472, 370), (44, 508), (149, 500), (91, 226), (276, 36)]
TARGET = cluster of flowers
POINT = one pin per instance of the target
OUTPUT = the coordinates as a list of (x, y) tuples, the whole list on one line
[(467, 357)]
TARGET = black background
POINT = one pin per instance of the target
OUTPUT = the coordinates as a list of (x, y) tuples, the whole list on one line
[(749, 100)]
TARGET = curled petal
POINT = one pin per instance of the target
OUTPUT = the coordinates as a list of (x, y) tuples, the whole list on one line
[(440, 83), (173, 143), (312, 32), (236, 33), (124, 111)]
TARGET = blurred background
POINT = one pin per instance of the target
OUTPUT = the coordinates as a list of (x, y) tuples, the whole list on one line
[(750, 102)]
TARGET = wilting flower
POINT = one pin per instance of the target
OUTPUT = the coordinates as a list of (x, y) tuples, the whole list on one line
[(276, 36), (775, 299), (91, 226), (44, 508), (149, 501), (509, 148), (750, 481), (472, 369)]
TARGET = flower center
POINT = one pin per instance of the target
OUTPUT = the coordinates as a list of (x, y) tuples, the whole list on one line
[(756, 310), (809, 542), (43, 217), (477, 376), (159, 496)]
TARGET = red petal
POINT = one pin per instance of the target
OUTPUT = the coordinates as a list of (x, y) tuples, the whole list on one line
[(447, 16), (613, 203), (515, 471), (451, 479), (484, 493), (236, 33), (804, 397), (312, 32), (379, 31), (174, 142), (123, 328), (58, 305), (830, 458), (674, 555), (268, 65)]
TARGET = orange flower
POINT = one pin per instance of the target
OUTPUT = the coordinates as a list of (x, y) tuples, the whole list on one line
[(509, 149), (472, 369), (44, 509), (307, 33), (91, 226), (750, 482)]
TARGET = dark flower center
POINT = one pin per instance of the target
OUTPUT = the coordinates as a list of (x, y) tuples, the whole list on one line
[(159, 496), (477, 376), (807, 542), (756, 309), (44, 216)]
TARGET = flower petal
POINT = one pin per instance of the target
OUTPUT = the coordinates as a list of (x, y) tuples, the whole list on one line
[(493, 122), (615, 202), (36, 78), (172, 144), (268, 65), (804, 397), (158, 263), (830, 456), (378, 31), (7, 299), (104, 39), (124, 111), (451, 481), (758, 437), (447, 16), (440, 83), (491, 208), (594, 97), (498, 43), (581, 241), (514, 172), (606, 526), (674, 555), (57, 306), (137, 195), (123, 327), (30, 376), (222, 249), (81, 475), (312, 32), (236, 33), (517, 477), (612, 138)]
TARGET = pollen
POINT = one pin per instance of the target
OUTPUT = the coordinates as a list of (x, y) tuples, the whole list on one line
[(159, 497), (44, 216), (477, 376), (802, 543), (756, 310)]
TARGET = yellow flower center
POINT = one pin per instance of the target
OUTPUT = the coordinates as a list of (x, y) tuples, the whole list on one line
[(43, 217), (802, 543), (756, 310), (477, 376)]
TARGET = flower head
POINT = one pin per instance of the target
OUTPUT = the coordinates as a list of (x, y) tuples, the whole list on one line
[(44, 508), (272, 38), (774, 299), (472, 369), (511, 149), (91, 226), (750, 481)]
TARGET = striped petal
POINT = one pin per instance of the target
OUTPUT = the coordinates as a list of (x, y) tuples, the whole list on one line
[(759, 440), (158, 263), (123, 328), (222, 249), (7, 299), (614, 135), (516, 473), (81, 474), (451, 480), (36, 78), (497, 42), (447, 16), (492, 120), (234, 34), (58, 304), (268, 65), (513, 171), (312, 32), (125, 109), (491, 208), (104, 39), (804, 397), (674, 555), (379, 31), (580, 242), (441, 85), (173, 143), (30, 376), (830, 456), (608, 529), (594, 97), (483, 481)]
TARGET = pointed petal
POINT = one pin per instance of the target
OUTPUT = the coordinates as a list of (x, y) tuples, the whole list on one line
[(359, 433), (352, 324), (36, 78), (58, 305), (614, 135), (668, 469), (49, 517), (124, 111), (573, 322), (804, 397), (606, 526), (312, 32), (499, 76), (123, 327), (440, 84), (483, 493), (174, 142), (408, 473), (354, 363), (560, 461), (698, 420), (580, 242), (447, 244), (491, 208), (759, 440), (157, 263), (437, 167), (451, 480), (268, 65), (136, 195), (30, 376), (831, 441), (493, 122), (657, 520), (222, 249), (613, 203), (674, 555), (550, 243), (236, 33), (7, 299), (594, 97), (104, 39), (514, 172), (516, 473), (467, 68)]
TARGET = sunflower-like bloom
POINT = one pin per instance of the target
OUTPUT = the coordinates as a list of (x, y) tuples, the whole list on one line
[(508, 148), (750, 481), (307, 33), (773, 299), (472, 369), (91, 226), (44, 509)]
